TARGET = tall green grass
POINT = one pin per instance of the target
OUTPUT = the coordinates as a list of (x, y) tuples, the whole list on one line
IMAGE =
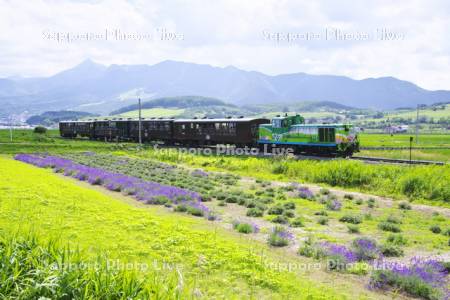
[(33, 269), (429, 183)]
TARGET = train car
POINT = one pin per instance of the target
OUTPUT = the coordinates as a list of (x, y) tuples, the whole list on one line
[(309, 139), (111, 130), (154, 129), (72, 129), (238, 131)]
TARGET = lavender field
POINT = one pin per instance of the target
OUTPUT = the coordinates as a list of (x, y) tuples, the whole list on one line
[(359, 237)]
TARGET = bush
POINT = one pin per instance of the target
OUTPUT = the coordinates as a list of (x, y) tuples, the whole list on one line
[(289, 214), (321, 213), (289, 205), (242, 201), (221, 196), (280, 220), (397, 239), (325, 191), (40, 129), (386, 226), (322, 220), (435, 229), (414, 186), (243, 227), (349, 196), (255, 212), (404, 205), (231, 199), (390, 250), (353, 228), (358, 201), (447, 232), (359, 268), (307, 250), (279, 237), (365, 248), (413, 285), (371, 202), (195, 211), (275, 210), (351, 219), (297, 222), (333, 205), (393, 219)]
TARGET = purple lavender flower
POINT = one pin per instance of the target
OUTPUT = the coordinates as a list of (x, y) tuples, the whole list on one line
[(334, 204), (145, 191), (199, 173), (429, 272), (280, 237), (365, 249), (254, 227), (306, 193), (330, 249)]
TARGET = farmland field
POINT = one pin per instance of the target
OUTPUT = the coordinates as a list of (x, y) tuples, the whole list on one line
[(402, 140), (219, 226), (153, 113)]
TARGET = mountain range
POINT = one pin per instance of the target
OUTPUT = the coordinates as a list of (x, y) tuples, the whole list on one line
[(101, 89)]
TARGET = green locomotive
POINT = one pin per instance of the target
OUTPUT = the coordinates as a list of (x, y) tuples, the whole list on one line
[(309, 139)]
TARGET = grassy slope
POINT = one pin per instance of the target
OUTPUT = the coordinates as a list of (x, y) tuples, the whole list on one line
[(152, 112), (216, 264), (436, 114)]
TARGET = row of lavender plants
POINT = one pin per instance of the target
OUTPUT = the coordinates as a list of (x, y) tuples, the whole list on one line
[(210, 185), (145, 191)]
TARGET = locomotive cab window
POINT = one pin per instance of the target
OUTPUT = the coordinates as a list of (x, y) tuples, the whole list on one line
[(276, 123), (327, 135)]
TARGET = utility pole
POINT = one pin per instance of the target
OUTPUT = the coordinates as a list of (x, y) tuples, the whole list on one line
[(10, 128), (410, 149), (140, 124), (417, 124)]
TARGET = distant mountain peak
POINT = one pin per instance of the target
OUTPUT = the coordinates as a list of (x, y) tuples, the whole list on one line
[(88, 63)]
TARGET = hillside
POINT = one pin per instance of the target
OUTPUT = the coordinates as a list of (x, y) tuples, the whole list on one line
[(195, 106), (178, 102), (49, 118), (102, 89)]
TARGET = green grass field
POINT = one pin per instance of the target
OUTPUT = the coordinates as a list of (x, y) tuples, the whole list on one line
[(209, 261), (402, 140)]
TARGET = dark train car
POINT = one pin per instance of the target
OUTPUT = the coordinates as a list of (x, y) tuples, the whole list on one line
[(238, 131), (73, 129), (152, 130), (116, 129)]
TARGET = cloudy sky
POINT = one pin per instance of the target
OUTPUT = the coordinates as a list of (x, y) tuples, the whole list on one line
[(409, 39)]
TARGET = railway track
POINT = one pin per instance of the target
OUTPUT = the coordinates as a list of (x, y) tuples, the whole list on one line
[(362, 158), (397, 161)]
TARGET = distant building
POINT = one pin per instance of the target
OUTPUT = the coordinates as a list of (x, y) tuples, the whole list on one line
[(396, 129)]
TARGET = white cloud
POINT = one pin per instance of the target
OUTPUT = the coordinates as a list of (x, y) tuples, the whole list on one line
[(231, 33)]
